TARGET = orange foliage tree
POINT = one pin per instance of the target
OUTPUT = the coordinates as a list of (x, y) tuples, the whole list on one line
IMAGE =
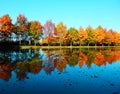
[(61, 29), (117, 38), (6, 26), (99, 34), (82, 35), (109, 37)]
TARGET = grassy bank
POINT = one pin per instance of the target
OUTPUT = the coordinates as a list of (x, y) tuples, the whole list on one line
[(58, 47)]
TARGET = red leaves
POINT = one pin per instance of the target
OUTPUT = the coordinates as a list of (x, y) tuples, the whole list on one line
[(21, 24), (21, 19), (6, 26), (5, 20)]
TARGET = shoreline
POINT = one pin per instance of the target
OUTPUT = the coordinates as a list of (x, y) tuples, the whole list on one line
[(62, 47)]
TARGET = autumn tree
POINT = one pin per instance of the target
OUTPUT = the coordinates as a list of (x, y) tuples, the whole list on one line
[(35, 30), (109, 37), (112, 37), (6, 26), (82, 35), (71, 37), (49, 31), (61, 29), (21, 27), (117, 38), (91, 35), (99, 34)]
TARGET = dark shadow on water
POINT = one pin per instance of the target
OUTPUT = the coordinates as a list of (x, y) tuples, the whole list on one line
[(9, 46)]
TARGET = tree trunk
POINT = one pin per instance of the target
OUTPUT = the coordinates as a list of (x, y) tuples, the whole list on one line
[(88, 44), (60, 43), (48, 44), (95, 44), (80, 43), (29, 42), (20, 42), (71, 44), (20, 38), (102, 44), (35, 41)]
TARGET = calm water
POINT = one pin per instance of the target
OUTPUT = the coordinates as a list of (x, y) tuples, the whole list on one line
[(65, 71)]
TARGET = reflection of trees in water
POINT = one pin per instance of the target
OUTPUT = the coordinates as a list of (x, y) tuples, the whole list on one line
[(5, 70), (100, 57), (29, 61)]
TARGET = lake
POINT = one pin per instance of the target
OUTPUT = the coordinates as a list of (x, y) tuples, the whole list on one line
[(60, 71)]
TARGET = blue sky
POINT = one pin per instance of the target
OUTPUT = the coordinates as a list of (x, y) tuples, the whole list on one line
[(73, 13)]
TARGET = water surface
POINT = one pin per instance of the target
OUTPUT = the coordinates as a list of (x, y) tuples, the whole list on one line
[(60, 71)]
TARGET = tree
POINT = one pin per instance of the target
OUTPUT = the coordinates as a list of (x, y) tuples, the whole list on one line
[(99, 34), (61, 29), (109, 37), (6, 26), (49, 31), (82, 35), (35, 30), (21, 27), (117, 38), (91, 36), (71, 37)]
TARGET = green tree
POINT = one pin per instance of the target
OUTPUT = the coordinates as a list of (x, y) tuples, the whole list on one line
[(71, 37), (35, 30), (91, 36)]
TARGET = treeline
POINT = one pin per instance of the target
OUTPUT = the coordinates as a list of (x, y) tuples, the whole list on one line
[(32, 32)]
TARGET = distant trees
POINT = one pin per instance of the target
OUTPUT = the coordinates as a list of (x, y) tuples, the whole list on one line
[(56, 35)]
